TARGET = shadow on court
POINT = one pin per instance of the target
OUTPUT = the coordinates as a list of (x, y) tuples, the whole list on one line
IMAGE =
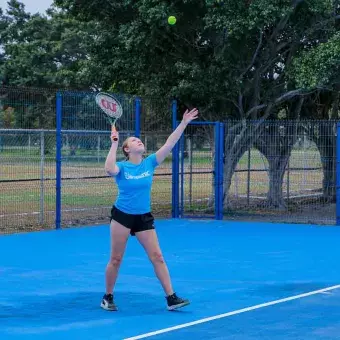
[(73, 307)]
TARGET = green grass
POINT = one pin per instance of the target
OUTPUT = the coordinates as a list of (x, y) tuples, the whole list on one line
[(87, 158), (22, 197)]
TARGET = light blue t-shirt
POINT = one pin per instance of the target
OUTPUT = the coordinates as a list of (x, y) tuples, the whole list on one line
[(134, 185)]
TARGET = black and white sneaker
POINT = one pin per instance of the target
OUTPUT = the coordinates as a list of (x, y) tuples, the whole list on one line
[(108, 303), (175, 302)]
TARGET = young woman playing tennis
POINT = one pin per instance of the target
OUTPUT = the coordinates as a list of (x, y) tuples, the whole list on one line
[(131, 214)]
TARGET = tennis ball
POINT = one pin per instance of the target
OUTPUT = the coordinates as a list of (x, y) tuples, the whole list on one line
[(172, 20)]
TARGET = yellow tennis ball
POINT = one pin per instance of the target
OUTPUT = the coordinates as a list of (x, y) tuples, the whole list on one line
[(172, 20)]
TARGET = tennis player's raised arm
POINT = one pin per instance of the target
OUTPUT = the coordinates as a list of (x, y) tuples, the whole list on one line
[(110, 164), (165, 150)]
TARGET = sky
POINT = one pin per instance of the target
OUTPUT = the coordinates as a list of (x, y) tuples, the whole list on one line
[(31, 6)]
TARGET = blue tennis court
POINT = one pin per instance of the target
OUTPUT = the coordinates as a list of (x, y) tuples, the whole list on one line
[(251, 280)]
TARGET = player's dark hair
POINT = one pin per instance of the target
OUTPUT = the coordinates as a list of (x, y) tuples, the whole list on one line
[(125, 145)]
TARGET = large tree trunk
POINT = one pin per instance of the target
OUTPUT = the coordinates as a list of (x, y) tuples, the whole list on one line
[(277, 148), (239, 139), (277, 151), (242, 136), (277, 170), (229, 170), (327, 149), (326, 143), (323, 133), (276, 144)]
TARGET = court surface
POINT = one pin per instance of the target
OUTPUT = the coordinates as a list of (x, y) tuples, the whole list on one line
[(252, 281)]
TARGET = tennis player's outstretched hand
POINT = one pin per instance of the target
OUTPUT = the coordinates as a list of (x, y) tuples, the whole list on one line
[(114, 136), (190, 115)]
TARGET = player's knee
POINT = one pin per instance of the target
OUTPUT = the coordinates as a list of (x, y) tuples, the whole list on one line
[(115, 260), (157, 257)]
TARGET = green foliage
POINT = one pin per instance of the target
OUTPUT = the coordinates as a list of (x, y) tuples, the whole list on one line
[(230, 58), (43, 51), (319, 66), (226, 57), (7, 118)]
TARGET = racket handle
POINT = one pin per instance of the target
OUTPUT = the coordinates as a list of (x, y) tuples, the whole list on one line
[(113, 129)]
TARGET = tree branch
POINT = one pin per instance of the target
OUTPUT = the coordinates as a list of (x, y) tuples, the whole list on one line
[(254, 56), (282, 23), (286, 96), (255, 108), (240, 104)]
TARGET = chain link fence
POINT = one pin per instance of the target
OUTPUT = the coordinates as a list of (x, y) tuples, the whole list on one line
[(155, 129), (27, 158), (28, 152), (281, 171), (278, 171), (27, 179), (197, 171)]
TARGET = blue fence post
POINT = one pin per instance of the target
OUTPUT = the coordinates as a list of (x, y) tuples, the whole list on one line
[(182, 148), (337, 174), (217, 169), (58, 160), (221, 169), (137, 116), (175, 166)]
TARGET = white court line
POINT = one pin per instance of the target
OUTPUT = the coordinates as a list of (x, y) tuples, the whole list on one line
[(239, 311)]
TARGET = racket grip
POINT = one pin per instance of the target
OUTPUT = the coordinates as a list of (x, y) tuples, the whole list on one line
[(113, 129)]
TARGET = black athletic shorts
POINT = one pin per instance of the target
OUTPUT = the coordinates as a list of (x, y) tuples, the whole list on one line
[(135, 223)]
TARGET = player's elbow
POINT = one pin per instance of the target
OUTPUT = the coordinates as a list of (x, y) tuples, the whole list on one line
[(108, 171), (111, 171), (107, 168)]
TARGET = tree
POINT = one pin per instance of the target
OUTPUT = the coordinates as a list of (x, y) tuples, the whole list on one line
[(40, 53), (232, 59), (317, 67), (43, 51)]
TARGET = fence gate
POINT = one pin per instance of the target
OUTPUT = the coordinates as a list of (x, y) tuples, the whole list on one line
[(197, 171)]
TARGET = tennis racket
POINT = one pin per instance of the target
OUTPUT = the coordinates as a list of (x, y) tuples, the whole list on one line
[(111, 107)]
